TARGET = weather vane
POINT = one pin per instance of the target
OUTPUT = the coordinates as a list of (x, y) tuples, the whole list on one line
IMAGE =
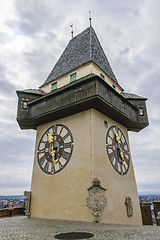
[(90, 19), (72, 30)]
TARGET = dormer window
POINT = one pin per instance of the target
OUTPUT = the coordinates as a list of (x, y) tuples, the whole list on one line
[(73, 77), (53, 86), (102, 76)]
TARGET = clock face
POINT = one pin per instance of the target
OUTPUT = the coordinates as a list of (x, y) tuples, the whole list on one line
[(117, 150), (55, 149)]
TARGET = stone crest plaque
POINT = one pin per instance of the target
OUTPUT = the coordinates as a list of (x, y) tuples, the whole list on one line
[(97, 199)]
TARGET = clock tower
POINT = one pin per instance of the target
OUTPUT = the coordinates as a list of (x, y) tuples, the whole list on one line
[(82, 165)]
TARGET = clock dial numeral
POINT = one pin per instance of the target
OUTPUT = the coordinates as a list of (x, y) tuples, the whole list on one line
[(110, 146), (113, 132), (61, 131), (67, 145), (46, 166), (55, 149), (117, 150), (65, 155), (60, 165), (111, 156), (43, 142), (55, 130), (66, 136), (124, 143), (41, 150), (116, 165), (126, 152), (42, 160), (52, 168)]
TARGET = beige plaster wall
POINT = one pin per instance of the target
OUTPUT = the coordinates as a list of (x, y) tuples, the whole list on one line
[(96, 70), (117, 187), (81, 72), (63, 196)]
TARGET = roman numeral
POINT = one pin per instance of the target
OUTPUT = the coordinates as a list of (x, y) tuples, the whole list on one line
[(65, 155), (67, 145), (110, 137), (60, 164), (52, 167), (127, 161), (124, 168), (124, 143), (112, 129), (111, 156), (46, 167), (109, 146), (117, 130), (126, 152), (42, 160), (55, 130), (40, 151), (120, 167), (67, 135), (116, 165), (61, 131)]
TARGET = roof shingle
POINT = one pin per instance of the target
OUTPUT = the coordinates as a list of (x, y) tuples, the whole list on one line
[(82, 49)]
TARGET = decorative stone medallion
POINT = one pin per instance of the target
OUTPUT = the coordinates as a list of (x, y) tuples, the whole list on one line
[(97, 199), (129, 206)]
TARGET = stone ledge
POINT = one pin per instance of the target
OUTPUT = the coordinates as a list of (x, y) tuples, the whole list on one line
[(16, 211)]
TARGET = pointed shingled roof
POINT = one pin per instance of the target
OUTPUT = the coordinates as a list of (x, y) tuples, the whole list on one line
[(82, 49)]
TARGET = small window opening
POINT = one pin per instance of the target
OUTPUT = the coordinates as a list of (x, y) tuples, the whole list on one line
[(141, 112), (25, 105), (73, 77), (102, 76), (114, 86), (53, 86), (106, 124)]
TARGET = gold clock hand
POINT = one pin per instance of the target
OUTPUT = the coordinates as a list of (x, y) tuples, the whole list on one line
[(56, 160), (118, 138), (121, 152), (50, 138), (53, 153)]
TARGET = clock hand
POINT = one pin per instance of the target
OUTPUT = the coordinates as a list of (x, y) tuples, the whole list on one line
[(119, 148), (53, 152), (50, 138)]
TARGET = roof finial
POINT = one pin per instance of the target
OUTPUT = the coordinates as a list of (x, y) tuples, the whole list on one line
[(90, 19), (72, 30)]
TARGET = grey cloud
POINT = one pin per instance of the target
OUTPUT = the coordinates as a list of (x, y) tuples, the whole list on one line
[(37, 16), (39, 61), (6, 87), (15, 149)]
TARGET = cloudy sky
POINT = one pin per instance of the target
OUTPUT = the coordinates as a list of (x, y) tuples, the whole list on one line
[(33, 34)]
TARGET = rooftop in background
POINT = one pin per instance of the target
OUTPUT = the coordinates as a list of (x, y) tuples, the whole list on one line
[(132, 96)]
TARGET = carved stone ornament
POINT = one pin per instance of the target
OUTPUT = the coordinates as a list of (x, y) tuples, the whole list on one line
[(28, 203), (97, 199), (129, 206)]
